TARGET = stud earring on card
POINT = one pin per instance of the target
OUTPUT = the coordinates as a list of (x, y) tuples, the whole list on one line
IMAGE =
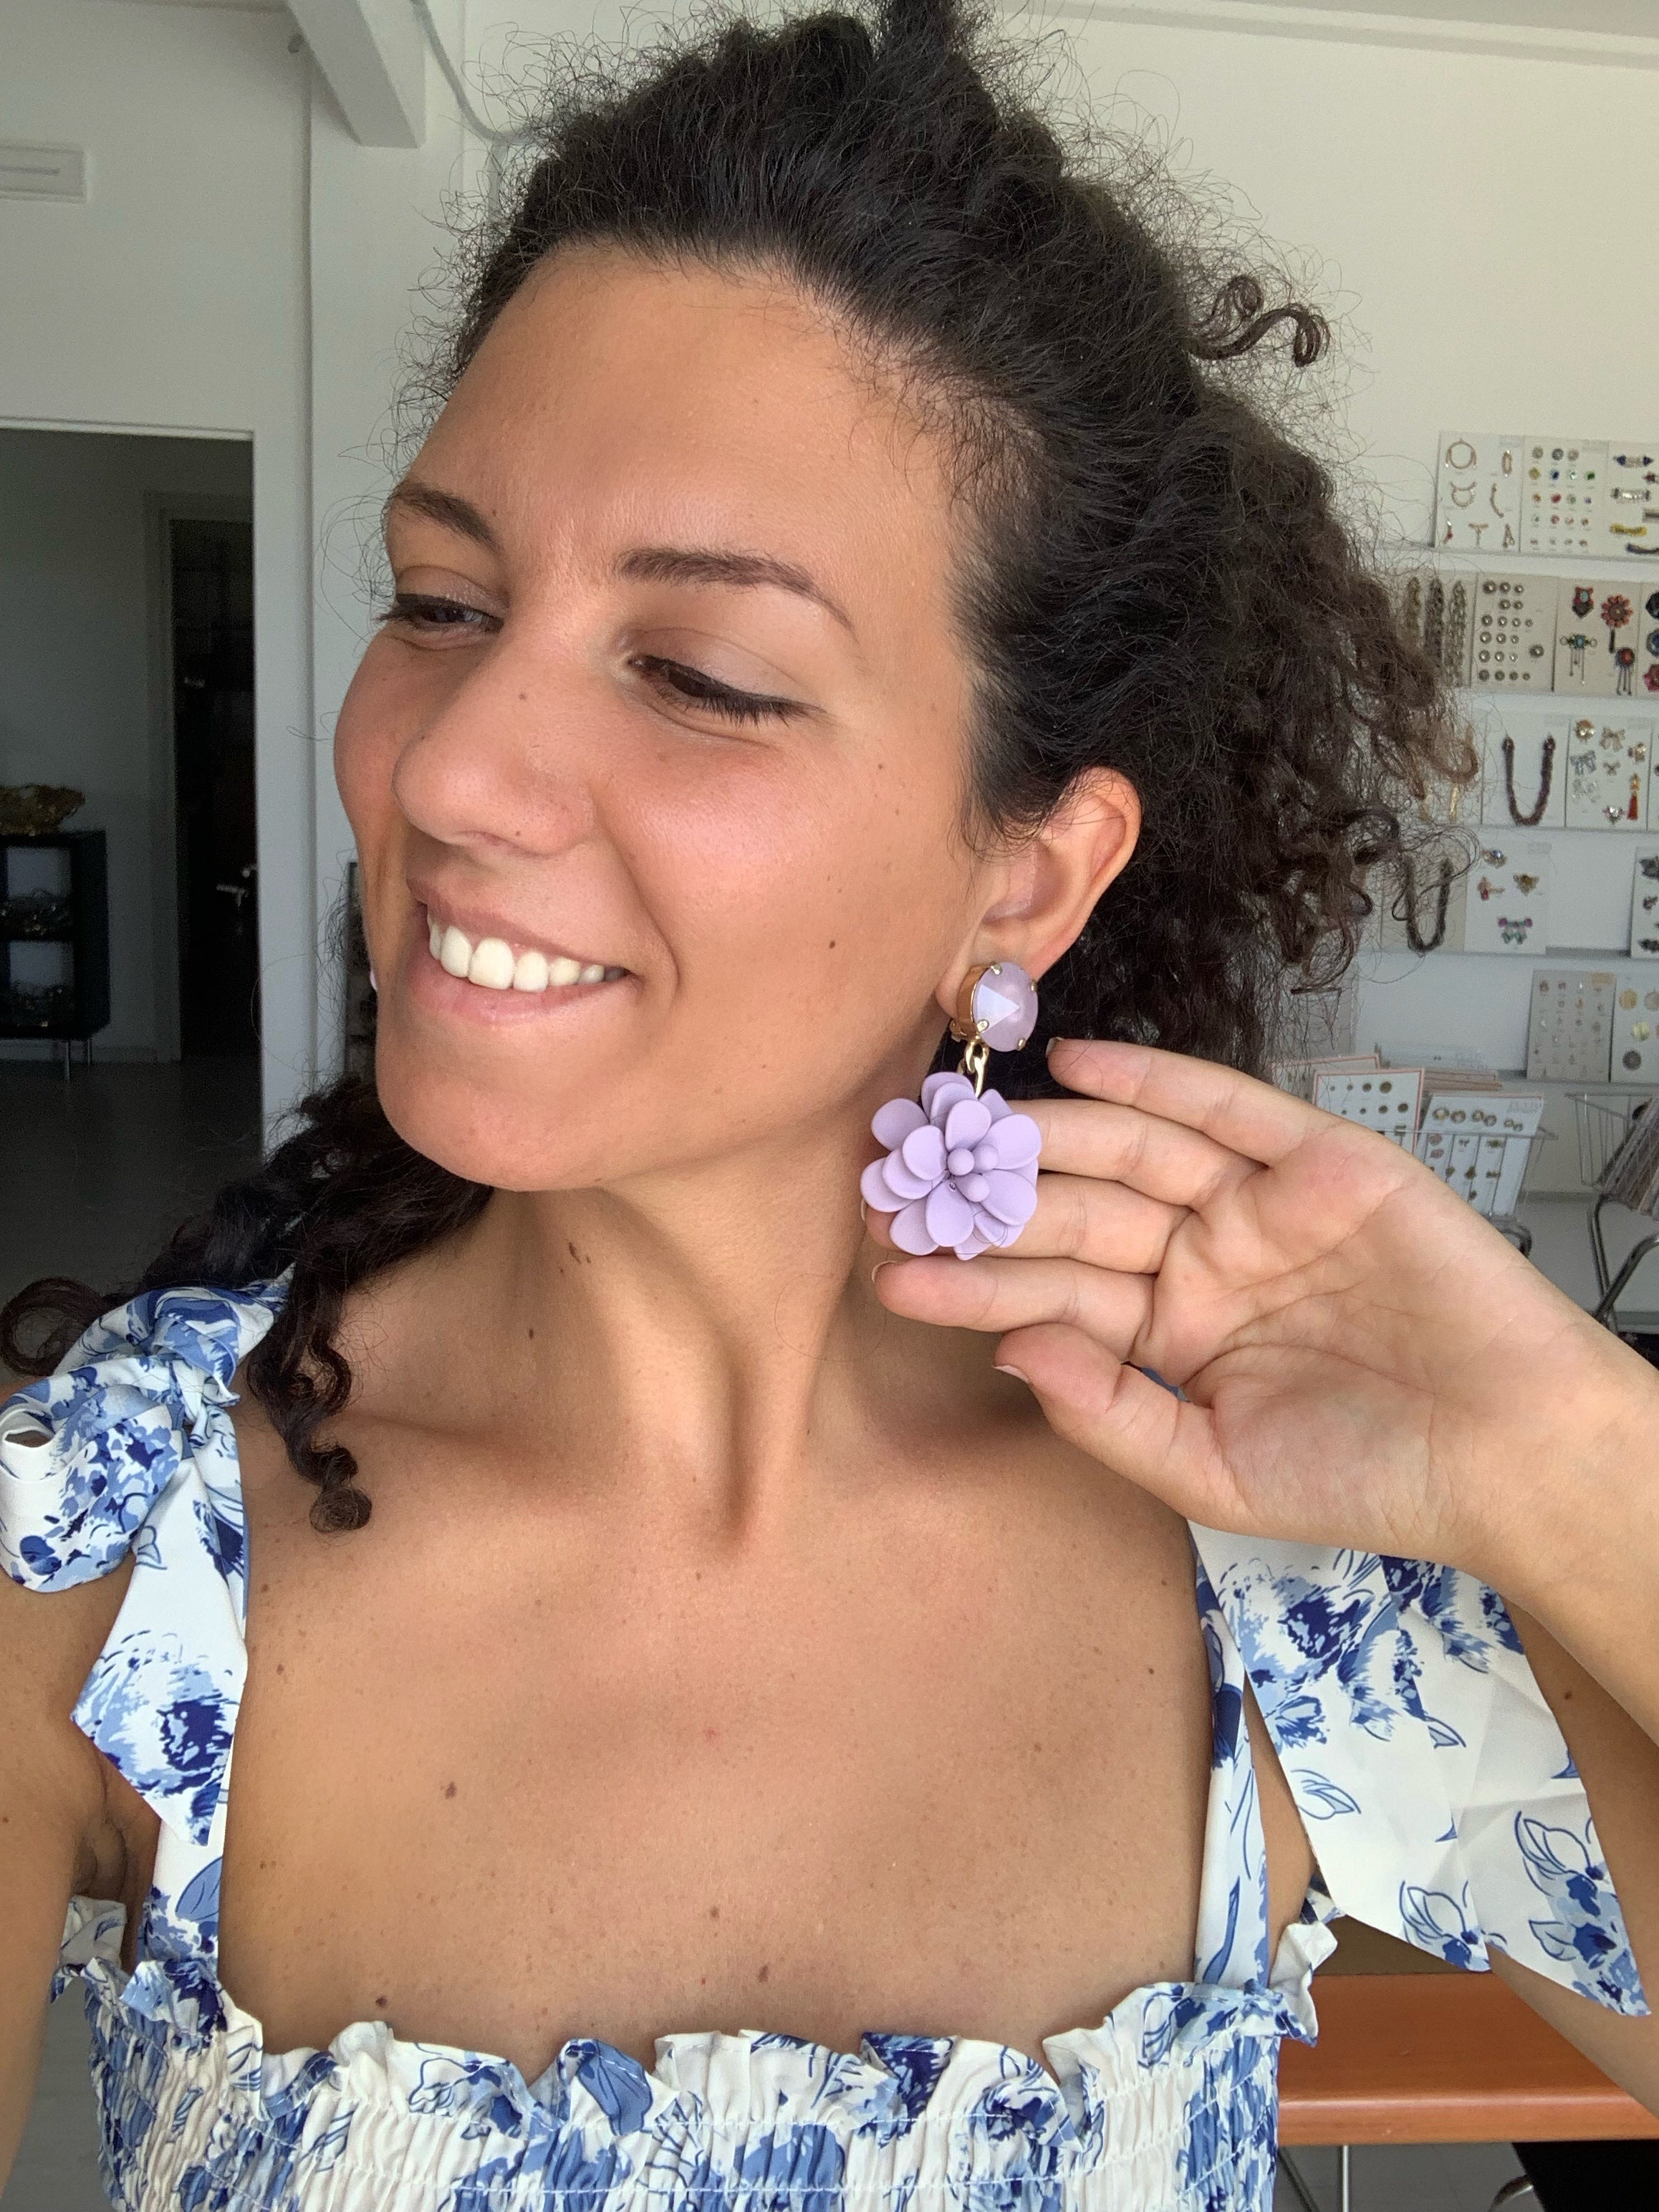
[(962, 1167)]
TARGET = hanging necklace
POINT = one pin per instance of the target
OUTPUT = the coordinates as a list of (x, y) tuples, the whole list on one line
[(1414, 937), (1528, 821)]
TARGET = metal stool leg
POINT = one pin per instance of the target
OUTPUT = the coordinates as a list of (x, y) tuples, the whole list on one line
[(1610, 1296), (1345, 2170)]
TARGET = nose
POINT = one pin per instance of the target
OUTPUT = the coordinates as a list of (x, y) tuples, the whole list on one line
[(500, 762)]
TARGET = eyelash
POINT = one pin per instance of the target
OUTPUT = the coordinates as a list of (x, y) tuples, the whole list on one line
[(691, 686)]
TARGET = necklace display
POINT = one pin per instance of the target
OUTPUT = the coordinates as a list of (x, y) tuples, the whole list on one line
[(1414, 937), (1535, 814)]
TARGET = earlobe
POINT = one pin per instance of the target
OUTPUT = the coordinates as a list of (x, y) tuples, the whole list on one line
[(1054, 878)]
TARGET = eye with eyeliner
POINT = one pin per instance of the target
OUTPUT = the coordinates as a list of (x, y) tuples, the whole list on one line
[(431, 612), (691, 686)]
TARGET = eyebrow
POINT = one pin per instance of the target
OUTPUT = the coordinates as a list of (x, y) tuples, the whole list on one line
[(447, 508), (697, 564), (646, 564)]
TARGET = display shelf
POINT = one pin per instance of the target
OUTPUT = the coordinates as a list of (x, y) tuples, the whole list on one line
[(63, 1009)]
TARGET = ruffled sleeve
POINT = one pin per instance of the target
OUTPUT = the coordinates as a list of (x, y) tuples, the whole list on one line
[(1435, 1785), (129, 1447)]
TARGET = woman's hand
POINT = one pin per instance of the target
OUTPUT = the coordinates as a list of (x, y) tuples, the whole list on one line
[(1365, 1360)]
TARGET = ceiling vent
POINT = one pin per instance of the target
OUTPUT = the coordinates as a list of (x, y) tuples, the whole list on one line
[(42, 173)]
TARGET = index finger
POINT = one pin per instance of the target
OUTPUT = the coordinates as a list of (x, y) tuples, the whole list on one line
[(1236, 1111)]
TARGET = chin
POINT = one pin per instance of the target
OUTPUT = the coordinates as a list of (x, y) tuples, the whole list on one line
[(488, 1131)]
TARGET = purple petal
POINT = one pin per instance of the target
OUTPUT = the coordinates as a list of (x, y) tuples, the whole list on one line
[(971, 1246), (948, 1084), (895, 1122), (995, 1104), (923, 1153), (903, 1182), (1010, 1197), (909, 1230), (967, 1122), (875, 1190), (1016, 1140), (949, 1217)]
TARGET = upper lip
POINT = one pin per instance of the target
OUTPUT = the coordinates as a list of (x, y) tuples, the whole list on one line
[(475, 924)]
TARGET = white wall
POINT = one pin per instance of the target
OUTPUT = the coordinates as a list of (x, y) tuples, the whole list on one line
[(244, 265), (75, 584), (175, 299)]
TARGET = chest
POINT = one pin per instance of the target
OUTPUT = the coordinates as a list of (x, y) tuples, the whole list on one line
[(515, 1775)]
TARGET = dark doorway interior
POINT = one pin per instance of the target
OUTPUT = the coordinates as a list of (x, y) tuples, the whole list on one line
[(212, 577)]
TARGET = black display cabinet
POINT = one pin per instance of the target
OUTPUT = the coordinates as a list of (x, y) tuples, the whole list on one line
[(73, 912)]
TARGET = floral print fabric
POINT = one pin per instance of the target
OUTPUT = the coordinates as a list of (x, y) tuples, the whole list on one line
[(1437, 1791)]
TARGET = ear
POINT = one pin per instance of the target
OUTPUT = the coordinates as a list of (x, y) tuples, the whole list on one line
[(1045, 887)]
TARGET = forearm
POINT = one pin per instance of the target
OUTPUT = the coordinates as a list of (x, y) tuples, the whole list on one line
[(1591, 1571)]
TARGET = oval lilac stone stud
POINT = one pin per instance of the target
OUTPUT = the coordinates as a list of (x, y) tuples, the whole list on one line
[(999, 1004)]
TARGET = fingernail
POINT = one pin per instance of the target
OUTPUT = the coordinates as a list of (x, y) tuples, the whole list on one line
[(877, 1269), (864, 1209), (1015, 1372)]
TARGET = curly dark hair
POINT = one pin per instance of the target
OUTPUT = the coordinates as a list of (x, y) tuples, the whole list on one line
[(1155, 578)]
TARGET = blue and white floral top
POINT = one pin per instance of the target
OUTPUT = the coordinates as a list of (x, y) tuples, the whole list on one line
[(1440, 1796)]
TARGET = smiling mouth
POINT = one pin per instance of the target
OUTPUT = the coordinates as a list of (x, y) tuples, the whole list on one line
[(493, 964)]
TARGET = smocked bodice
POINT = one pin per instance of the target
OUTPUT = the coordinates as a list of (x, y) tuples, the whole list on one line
[(1437, 1789)]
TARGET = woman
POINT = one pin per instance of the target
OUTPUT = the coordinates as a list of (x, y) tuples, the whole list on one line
[(842, 565)]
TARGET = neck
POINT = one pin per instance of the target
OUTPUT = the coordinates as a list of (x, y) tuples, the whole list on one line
[(713, 1332)]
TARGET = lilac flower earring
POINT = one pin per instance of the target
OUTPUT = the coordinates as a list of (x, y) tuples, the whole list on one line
[(961, 1166)]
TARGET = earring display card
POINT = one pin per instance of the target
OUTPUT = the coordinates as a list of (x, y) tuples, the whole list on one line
[(1645, 904), (1513, 642), (1608, 769), (1509, 899), (1570, 1026), (1635, 1025), (1596, 636), (1524, 774), (1563, 495), (1477, 493), (1385, 1099), (1646, 687), (1631, 518), (1477, 1141)]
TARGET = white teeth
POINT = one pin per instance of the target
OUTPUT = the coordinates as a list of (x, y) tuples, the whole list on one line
[(491, 964)]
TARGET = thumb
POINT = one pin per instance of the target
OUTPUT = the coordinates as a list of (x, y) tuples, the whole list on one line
[(1120, 1416)]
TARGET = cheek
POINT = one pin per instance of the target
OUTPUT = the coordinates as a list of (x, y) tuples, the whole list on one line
[(798, 888)]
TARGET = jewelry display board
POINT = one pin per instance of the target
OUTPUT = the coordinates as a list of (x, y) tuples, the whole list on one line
[(1514, 632), (1383, 1099), (1596, 637), (1608, 771), (1569, 1030), (1423, 910), (1434, 611), (1478, 491), (1635, 1057), (1564, 493), (1632, 503), (1645, 904), (1647, 647), (1507, 903), (1524, 781)]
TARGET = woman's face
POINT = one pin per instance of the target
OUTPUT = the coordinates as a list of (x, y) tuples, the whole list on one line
[(670, 700)]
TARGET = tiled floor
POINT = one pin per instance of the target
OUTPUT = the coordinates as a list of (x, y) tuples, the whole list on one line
[(94, 1175)]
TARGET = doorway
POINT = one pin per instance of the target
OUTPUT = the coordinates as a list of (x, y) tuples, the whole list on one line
[(210, 577)]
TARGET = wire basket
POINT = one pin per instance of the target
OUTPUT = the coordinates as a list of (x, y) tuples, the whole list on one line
[(1604, 1120)]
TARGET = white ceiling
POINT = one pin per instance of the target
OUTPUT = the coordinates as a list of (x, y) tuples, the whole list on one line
[(1618, 32)]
